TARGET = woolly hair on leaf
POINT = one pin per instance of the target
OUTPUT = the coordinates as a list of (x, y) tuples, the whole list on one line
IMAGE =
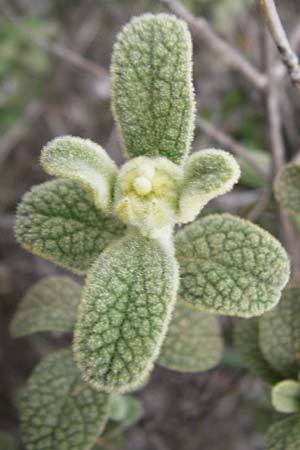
[(49, 305), (58, 221), (230, 266), (286, 396), (124, 312), (58, 410), (284, 434), (279, 334), (193, 342), (83, 161), (287, 187), (246, 342), (153, 99), (207, 174)]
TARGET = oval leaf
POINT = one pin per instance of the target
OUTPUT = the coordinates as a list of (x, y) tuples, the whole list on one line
[(193, 342), (58, 409), (287, 187), (230, 266), (246, 342), (286, 396), (284, 434), (207, 174), (50, 305), (153, 99), (83, 161), (279, 333), (124, 312), (58, 221)]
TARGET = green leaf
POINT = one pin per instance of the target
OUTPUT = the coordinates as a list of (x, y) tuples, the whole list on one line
[(208, 174), (58, 409), (153, 99), (50, 305), (287, 187), (193, 342), (279, 333), (126, 411), (286, 396), (284, 434), (230, 266), (83, 161), (124, 313), (246, 342), (58, 221)]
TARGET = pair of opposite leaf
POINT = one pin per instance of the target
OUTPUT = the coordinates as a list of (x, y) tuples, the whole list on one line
[(117, 225), (58, 409), (270, 347)]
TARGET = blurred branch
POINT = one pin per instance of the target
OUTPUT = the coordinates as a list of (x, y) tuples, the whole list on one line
[(278, 157), (288, 56), (201, 28), (227, 141), (16, 133), (260, 206)]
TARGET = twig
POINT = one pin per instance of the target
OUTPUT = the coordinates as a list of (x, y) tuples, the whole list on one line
[(227, 141), (278, 157), (260, 206), (288, 56), (201, 28)]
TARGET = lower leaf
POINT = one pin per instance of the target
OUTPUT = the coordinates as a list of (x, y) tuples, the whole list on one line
[(284, 434), (124, 313), (58, 409)]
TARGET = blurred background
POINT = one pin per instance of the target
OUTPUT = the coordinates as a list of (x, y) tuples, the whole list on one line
[(54, 67)]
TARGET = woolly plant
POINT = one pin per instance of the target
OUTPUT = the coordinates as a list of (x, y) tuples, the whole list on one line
[(117, 227), (270, 347)]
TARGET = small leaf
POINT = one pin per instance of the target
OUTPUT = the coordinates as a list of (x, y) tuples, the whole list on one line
[(246, 341), (153, 99), (286, 396), (284, 434), (208, 174), (279, 333), (83, 161), (230, 266), (193, 342), (58, 409), (58, 221), (124, 313), (50, 305), (126, 410), (287, 187)]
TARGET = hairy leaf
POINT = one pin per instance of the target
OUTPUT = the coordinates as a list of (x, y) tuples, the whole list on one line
[(279, 332), (207, 174), (58, 221), (230, 266), (193, 342), (246, 341), (284, 434), (286, 396), (83, 161), (287, 187), (58, 409), (124, 312), (153, 99), (50, 305)]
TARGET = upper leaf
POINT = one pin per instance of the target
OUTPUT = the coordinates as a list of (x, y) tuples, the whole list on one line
[(287, 187), (58, 221), (286, 396), (193, 342), (58, 409), (50, 305), (284, 434), (83, 161), (230, 266), (153, 99), (124, 313), (279, 332), (207, 174), (246, 341)]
